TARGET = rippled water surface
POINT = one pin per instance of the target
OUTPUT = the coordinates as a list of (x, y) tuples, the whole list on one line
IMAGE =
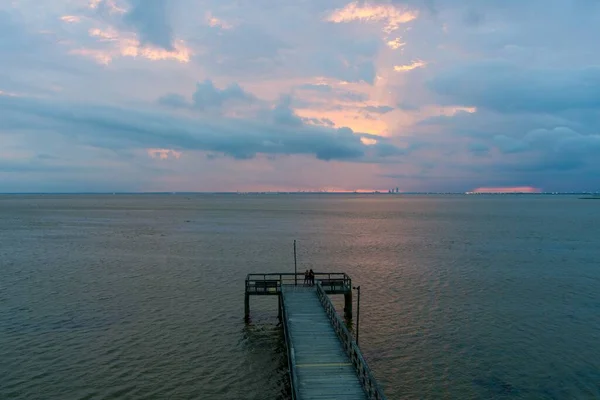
[(141, 296)]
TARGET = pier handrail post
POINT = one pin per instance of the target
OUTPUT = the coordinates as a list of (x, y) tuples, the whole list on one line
[(291, 353), (295, 266), (357, 312)]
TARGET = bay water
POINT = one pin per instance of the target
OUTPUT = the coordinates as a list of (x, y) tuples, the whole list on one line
[(142, 296)]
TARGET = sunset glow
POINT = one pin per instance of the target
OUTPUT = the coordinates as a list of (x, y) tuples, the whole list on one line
[(409, 67), (163, 154), (209, 95), (129, 46), (70, 18), (395, 44), (518, 189), (390, 15)]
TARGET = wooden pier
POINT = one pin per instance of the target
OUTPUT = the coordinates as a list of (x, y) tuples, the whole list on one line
[(324, 361)]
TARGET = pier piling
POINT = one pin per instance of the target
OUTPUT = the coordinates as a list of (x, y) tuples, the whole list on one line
[(348, 305), (279, 308)]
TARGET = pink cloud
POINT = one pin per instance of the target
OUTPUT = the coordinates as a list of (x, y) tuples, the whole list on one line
[(391, 16), (515, 189), (163, 154)]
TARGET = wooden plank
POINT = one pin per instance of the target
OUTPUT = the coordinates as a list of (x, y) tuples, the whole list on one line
[(322, 368)]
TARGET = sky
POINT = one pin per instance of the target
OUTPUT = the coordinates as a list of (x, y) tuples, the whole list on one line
[(268, 95)]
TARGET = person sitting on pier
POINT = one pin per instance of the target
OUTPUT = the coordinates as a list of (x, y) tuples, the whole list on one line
[(311, 277), (306, 278)]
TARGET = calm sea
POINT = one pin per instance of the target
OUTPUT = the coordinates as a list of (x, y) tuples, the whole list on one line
[(141, 296)]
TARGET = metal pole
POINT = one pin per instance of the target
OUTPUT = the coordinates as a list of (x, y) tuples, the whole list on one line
[(357, 313), (295, 266)]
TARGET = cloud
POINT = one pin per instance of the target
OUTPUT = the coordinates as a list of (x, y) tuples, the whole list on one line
[(559, 141), (27, 166), (33, 60), (509, 145), (70, 19), (355, 69), (328, 93), (150, 19), (519, 143), (174, 100), (248, 47), (478, 149), (321, 87), (351, 96), (406, 106), (242, 50), (321, 121), (378, 109), (395, 43), (112, 43), (16, 38), (208, 96), (390, 15), (106, 7), (127, 28), (325, 96), (508, 88), (215, 22), (409, 67), (283, 114), (163, 154), (117, 128), (506, 98)]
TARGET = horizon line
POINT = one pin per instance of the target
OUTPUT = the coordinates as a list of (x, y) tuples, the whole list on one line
[(470, 193)]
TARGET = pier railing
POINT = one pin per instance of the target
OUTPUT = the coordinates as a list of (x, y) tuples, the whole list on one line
[(291, 354), (365, 375), (271, 283)]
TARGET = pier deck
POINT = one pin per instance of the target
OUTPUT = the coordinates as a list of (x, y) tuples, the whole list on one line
[(324, 361), (322, 367)]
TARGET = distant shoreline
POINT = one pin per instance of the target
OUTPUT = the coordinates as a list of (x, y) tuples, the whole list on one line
[(591, 196)]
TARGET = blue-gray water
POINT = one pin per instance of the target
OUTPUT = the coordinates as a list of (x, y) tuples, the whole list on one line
[(141, 296)]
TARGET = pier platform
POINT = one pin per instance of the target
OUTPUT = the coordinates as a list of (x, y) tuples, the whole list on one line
[(324, 361)]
